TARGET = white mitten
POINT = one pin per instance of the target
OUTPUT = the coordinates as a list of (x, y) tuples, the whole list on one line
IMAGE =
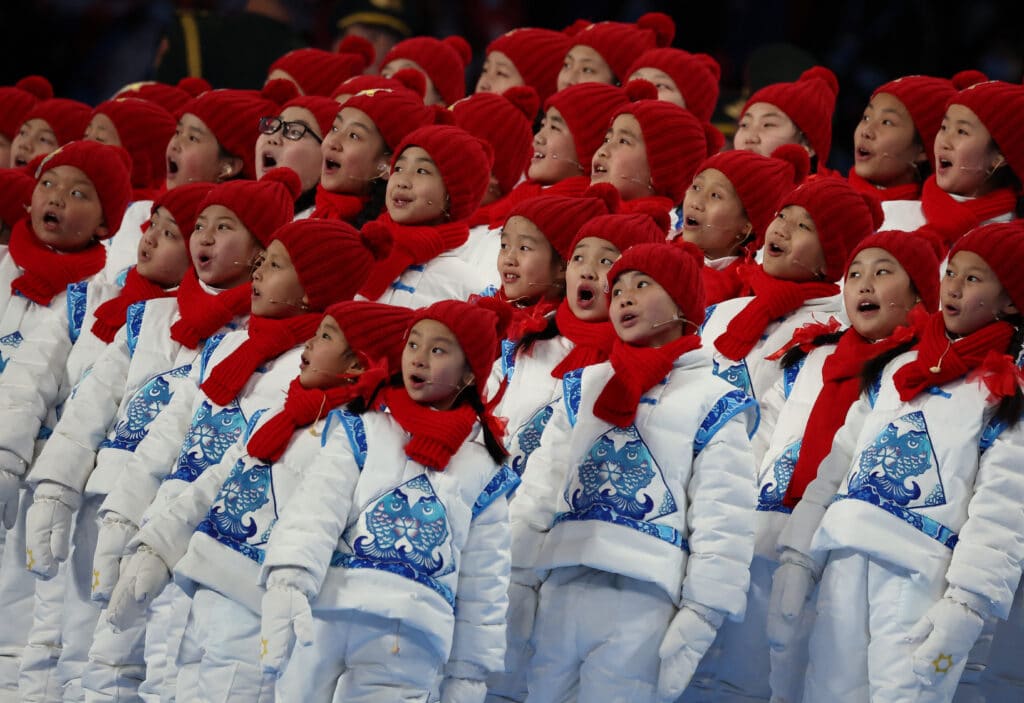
[(688, 637), (455, 690), (48, 527), (116, 531), (791, 587), (286, 617), (10, 485), (947, 632), (145, 576)]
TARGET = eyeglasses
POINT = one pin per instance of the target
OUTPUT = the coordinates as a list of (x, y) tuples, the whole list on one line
[(293, 131)]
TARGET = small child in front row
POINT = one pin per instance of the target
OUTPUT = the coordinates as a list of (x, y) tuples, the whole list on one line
[(913, 523), (637, 509), (406, 570)]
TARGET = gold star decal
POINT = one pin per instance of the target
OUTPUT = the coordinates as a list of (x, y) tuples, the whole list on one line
[(95, 579), (263, 647), (31, 560), (942, 663)]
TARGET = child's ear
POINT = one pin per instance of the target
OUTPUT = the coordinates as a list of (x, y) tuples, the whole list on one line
[(383, 171), (230, 166), (102, 232), (998, 160), (467, 378)]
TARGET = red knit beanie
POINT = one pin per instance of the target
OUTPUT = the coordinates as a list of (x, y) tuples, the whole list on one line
[(407, 78), (506, 123), (675, 266), (263, 205), (842, 216), (626, 230), (67, 118), (443, 60), (1001, 245), (16, 188), (587, 109), (463, 160), (394, 111), (919, 253), (184, 203), (999, 106), (559, 218), (17, 100), (324, 110), (332, 258), (144, 129), (107, 167), (619, 43), (696, 76), (372, 329), (233, 116), (761, 181), (169, 97), (537, 54), (318, 72), (809, 101)]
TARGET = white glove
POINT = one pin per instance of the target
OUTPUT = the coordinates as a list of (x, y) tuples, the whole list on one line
[(48, 527), (455, 690), (286, 617), (688, 637), (116, 531), (10, 485), (145, 576), (947, 632), (791, 587)]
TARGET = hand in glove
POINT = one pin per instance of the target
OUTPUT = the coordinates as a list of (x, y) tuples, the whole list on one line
[(111, 553), (145, 576), (946, 632), (791, 587), (688, 637), (10, 485), (48, 527), (287, 617)]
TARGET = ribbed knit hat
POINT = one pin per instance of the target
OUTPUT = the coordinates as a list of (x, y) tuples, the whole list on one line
[(842, 216), (443, 60), (627, 229), (1001, 245), (394, 111), (108, 167), (537, 54), (809, 101), (372, 330), (761, 181), (919, 253), (999, 105), (560, 218), (696, 76), (169, 97), (324, 110), (16, 188), (17, 100), (587, 109), (67, 118), (619, 43), (144, 129), (184, 204), (318, 72), (263, 205), (506, 123), (675, 266), (332, 258), (407, 78), (463, 160)]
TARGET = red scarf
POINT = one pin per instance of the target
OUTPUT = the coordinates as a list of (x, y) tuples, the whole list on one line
[(110, 316), (906, 191), (647, 203), (435, 434), (724, 284), (526, 319), (592, 341), (268, 339), (953, 218), (337, 206), (940, 359), (500, 209), (841, 388), (637, 370), (45, 271), (304, 406), (773, 298), (412, 245), (202, 313)]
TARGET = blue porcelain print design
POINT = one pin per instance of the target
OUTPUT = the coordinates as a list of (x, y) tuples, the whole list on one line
[(232, 520), (355, 430), (398, 285), (489, 292), (990, 433), (707, 316), (789, 375), (504, 482), (527, 439), (508, 358), (122, 277), (143, 407), (76, 299), (3, 362), (724, 409), (209, 436), (13, 340), (773, 490), (873, 390), (208, 348), (571, 389), (736, 374), (134, 325)]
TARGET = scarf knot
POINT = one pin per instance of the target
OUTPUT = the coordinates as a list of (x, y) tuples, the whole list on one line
[(953, 218), (111, 315), (411, 245), (592, 341), (337, 206), (47, 272), (804, 336), (906, 191), (201, 313)]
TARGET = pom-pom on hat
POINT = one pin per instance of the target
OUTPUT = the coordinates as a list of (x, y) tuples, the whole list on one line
[(262, 205), (676, 266), (619, 43), (394, 111), (1001, 245), (587, 109), (67, 118), (696, 76), (842, 216), (331, 257), (16, 188), (183, 203), (463, 160), (144, 129), (407, 78), (17, 100), (318, 72), (372, 328), (627, 229), (919, 253), (925, 98), (108, 167), (169, 97), (809, 101), (506, 123), (233, 117), (999, 105), (560, 218), (443, 60), (537, 54)]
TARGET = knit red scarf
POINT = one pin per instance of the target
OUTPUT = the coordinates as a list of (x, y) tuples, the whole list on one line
[(647, 203), (45, 271), (304, 406), (412, 245), (841, 388), (906, 191), (110, 316), (592, 341), (435, 434), (337, 206), (953, 218), (723, 284), (526, 319), (940, 359), (773, 298), (202, 313), (268, 339), (637, 370)]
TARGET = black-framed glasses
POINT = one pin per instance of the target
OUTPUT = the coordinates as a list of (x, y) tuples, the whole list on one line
[(293, 131)]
